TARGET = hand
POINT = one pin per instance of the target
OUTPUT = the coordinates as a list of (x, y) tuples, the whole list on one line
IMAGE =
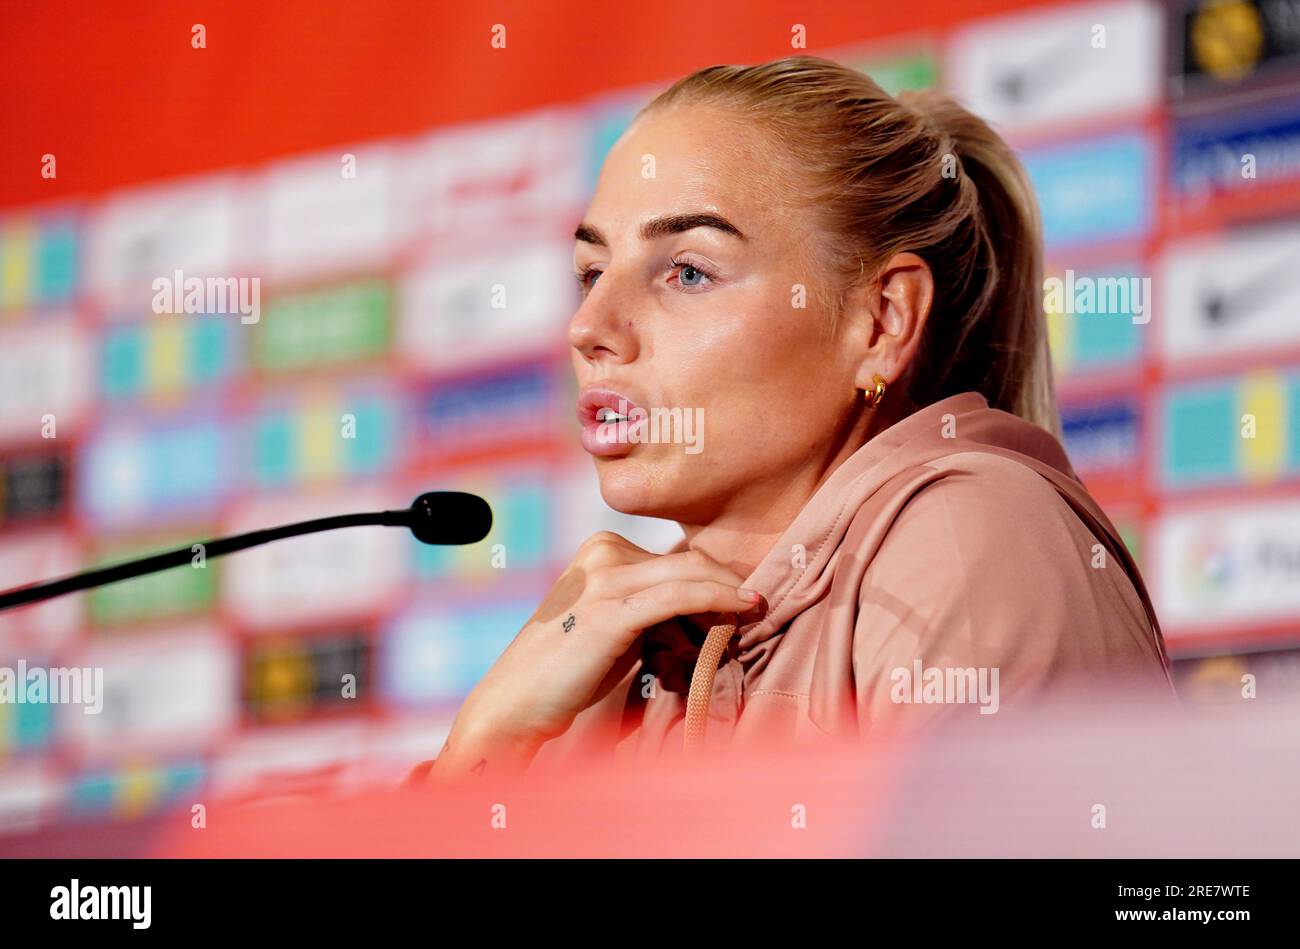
[(579, 644)]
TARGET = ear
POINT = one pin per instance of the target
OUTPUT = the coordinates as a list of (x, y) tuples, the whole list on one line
[(898, 302)]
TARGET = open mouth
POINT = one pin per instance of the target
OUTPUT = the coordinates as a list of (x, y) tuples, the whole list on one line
[(607, 418)]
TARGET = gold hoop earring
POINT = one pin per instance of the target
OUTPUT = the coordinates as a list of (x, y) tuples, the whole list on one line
[(874, 398)]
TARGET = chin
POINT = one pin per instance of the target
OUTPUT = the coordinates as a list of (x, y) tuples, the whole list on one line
[(642, 490)]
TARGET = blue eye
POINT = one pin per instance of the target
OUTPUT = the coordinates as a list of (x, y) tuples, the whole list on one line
[(691, 276)]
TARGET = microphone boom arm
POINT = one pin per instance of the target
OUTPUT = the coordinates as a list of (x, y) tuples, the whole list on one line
[(415, 517)]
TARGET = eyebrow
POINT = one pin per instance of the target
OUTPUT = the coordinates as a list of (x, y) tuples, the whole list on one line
[(663, 226)]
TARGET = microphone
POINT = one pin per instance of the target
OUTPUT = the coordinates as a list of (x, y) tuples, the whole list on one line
[(438, 517)]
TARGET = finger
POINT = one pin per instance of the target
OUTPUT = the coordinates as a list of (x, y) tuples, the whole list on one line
[(626, 579), (682, 598)]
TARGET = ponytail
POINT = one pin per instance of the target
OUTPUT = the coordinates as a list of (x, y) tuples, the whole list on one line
[(1006, 309)]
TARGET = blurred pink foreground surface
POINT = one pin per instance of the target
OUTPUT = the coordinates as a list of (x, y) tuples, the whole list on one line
[(1092, 778)]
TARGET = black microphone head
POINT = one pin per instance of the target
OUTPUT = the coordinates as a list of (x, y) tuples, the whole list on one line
[(450, 517)]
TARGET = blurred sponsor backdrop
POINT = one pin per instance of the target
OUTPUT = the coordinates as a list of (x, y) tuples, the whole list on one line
[(415, 285)]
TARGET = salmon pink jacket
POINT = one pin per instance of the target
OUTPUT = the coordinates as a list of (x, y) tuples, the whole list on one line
[(953, 565)]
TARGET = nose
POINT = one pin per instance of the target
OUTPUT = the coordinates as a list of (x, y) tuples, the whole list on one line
[(602, 328)]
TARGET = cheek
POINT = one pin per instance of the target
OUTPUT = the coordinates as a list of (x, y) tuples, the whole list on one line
[(763, 378), (741, 334), (774, 354)]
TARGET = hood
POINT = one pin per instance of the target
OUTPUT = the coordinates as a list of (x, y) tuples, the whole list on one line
[(824, 520)]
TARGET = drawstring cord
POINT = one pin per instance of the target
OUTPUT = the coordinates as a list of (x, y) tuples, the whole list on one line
[(706, 668)]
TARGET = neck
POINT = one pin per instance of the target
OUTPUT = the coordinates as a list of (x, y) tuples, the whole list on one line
[(736, 545)]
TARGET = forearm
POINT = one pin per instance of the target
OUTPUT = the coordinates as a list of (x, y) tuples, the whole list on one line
[(471, 753)]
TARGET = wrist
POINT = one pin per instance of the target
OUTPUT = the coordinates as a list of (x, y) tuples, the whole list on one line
[(476, 750)]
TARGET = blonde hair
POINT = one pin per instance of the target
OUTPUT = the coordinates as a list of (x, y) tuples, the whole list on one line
[(915, 173)]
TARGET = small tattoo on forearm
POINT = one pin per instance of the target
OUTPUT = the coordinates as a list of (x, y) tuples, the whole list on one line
[(478, 768), (569, 623)]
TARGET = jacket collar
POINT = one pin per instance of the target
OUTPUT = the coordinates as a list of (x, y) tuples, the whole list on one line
[(798, 568)]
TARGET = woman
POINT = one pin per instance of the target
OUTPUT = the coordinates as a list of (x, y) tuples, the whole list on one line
[(846, 287)]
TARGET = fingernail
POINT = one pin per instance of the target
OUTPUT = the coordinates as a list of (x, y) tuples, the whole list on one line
[(747, 594)]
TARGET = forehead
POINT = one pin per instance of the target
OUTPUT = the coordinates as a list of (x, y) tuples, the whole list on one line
[(682, 159)]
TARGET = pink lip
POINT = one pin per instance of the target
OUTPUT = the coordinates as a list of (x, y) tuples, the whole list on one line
[(601, 438)]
